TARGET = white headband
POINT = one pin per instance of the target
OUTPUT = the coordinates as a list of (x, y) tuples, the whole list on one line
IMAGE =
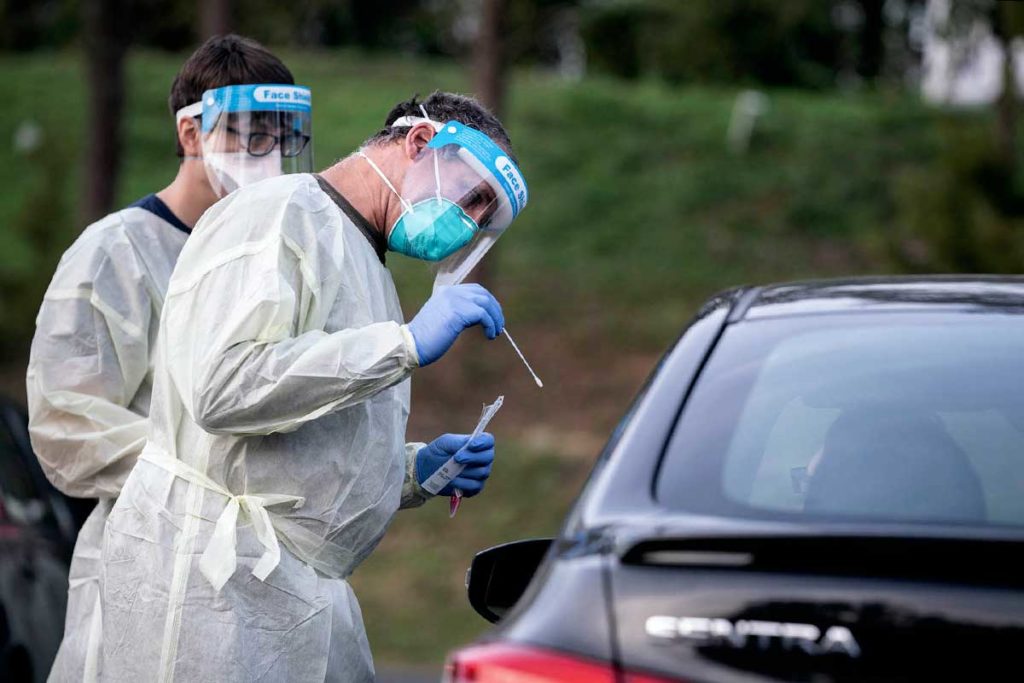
[(403, 121), (411, 121), (194, 109)]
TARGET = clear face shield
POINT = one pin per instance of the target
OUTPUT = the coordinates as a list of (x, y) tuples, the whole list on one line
[(458, 196), (253, 132), (477, 175)]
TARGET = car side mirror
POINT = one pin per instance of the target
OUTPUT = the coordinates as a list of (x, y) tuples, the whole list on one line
[(499, 576)]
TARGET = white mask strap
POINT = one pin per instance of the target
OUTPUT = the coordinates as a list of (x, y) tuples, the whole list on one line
[(437, 171), (407, 205)]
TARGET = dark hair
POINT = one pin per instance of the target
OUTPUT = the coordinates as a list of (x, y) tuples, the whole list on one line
[(224, 60), (442, 107)]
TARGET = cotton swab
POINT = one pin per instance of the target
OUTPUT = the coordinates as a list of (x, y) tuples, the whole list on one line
[(523, 358)]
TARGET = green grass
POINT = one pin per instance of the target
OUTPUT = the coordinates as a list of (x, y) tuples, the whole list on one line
[(637, 213)]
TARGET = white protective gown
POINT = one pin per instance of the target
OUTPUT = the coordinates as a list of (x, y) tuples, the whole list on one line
[(276, 458), (89, 382)]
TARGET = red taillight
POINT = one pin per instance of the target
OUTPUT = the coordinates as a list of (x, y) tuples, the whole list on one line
[(643, 678), (510, 663)]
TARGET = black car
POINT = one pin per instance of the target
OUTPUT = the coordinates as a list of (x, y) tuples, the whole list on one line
[(820, 482), (38, 526)]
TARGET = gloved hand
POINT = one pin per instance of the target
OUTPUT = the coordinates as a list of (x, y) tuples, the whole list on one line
[(447, 313), (477, 457)]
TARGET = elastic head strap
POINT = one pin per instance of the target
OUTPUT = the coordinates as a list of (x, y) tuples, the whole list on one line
[(190, 111), (410, 121)]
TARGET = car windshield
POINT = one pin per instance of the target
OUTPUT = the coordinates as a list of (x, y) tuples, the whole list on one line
[(885, 417)]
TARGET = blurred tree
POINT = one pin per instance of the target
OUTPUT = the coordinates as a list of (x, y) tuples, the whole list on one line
[(489, 57), (38, 233), (1008, 25), (965, 212), (214, 18), (1006, 22), (490, 82), (871, 51), (406, 25), (614, 34), (793, 43), (384, 23), (536, 31), (105, 36), (533, 31), (29, 24), (165, 24), (903, 40)]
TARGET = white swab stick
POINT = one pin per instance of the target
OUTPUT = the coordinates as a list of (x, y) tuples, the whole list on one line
[(523, 358)]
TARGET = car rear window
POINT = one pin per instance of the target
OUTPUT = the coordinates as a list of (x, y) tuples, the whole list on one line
[(886, 417)]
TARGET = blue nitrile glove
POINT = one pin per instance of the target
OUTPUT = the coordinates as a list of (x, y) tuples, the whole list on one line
[(447, 313), (477, 457)]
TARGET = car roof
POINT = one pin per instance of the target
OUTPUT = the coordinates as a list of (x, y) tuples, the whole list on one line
[(1004, 294)]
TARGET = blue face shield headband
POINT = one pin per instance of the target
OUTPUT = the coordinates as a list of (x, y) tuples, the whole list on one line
[(460, 194), (252, 132)]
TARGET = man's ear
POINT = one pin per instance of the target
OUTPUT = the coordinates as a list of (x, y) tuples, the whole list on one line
[(417, 138), (188, 136)]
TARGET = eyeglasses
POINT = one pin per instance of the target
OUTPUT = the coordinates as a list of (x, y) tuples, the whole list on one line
[(259, 143)]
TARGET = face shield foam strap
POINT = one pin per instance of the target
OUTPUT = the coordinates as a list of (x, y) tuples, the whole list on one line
[(410, 121), (191, 111)]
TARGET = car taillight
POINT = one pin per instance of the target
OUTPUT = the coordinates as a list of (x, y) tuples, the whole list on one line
[(511, 663)]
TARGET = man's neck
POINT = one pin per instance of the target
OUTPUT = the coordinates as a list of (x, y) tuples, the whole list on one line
[(189, 194), (349, 180)]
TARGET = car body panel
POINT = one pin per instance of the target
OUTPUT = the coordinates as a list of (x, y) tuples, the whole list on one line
[(585, 629), (724, 624)]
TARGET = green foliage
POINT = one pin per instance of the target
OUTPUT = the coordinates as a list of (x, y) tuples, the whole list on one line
[(637, 208), (40, 182), (715, 41), (965, 212), (29, 247), (32, 24)]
